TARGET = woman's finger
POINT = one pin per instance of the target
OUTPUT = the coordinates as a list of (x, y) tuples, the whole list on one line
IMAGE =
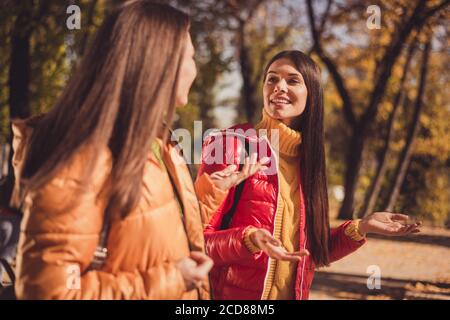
[(257, 167), (204, 268), (300, 253), (228, 170), (398, 225), (242, 175), (399, 217), (270, 239), (201, 258), (391, 230), (254, 158), (217, 176), (286, 256), (246, 167), (291, 258), (279, 253), (413, 228), (273, 252), (198, 256)]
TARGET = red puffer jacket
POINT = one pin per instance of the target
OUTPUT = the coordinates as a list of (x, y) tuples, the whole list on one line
[(237, 273)]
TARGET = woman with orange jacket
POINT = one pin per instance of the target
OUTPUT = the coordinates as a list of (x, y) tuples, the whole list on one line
[(99, 161)]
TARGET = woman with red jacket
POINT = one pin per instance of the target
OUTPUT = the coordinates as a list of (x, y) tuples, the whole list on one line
[(272, 230)]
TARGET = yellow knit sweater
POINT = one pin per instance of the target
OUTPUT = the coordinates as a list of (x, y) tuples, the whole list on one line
[(289, 173), (283, 285)]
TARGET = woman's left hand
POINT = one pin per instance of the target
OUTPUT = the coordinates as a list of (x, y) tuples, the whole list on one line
[(230, 176), (388, 224)]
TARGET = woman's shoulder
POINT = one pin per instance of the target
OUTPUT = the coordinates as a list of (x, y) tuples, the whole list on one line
[(79, 180), (90, 159)]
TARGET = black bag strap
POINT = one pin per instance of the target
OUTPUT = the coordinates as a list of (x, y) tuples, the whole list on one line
[(101, 252), (9, 270), (228, 216)]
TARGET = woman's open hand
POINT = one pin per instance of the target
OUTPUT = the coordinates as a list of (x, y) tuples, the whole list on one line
[(264, 240), (230, 176), (388, 224)]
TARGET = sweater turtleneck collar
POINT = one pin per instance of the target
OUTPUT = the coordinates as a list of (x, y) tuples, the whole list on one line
[(290, 139)]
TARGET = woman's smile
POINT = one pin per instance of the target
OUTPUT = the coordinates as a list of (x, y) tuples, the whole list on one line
[(280, 102)]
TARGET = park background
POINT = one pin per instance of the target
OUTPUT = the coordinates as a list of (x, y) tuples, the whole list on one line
[(385, 67)]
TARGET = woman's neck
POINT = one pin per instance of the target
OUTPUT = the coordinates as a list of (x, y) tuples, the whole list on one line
[(289, 139)]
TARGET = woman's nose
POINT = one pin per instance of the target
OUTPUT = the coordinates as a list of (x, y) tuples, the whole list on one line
[(281, 86)]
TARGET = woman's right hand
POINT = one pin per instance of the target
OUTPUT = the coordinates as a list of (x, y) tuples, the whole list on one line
[(230, 176), (264, 240), (194, 269)]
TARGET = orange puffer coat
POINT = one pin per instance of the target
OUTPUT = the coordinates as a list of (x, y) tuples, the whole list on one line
[(143, 247)]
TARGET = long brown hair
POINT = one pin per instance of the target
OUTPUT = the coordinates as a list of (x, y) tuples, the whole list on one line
[(122, 91), (312, 153)]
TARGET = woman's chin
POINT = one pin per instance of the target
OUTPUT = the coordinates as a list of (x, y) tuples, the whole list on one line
[(278, 114), (180, 103)]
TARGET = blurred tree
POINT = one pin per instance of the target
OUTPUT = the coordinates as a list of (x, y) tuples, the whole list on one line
[(258, 35), (18, 77), (404, 161), (410, 20), (374, 190), (40, 52), (371, 80), (208, 22), (425, 191)]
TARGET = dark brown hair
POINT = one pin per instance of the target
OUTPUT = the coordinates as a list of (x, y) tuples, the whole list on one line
[(124, 88), (312, 153)]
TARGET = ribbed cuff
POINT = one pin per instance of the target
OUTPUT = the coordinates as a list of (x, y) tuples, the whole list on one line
[(352, 231), (248, 242)]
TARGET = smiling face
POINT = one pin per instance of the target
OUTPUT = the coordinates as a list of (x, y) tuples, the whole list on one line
[(284, 91)]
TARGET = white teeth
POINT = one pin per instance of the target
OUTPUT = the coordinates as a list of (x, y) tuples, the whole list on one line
[(279, 100)]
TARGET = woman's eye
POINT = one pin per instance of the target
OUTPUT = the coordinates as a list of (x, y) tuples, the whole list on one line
[(272, 80), (294, 81)]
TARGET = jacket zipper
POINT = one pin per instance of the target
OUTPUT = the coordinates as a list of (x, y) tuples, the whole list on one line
[(303, 269), (268, 279)]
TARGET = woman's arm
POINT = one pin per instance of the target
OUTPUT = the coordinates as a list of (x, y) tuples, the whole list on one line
[(343, 241), (218, 172), (210, 197), (352, 234), (227, 247), (218, 175), (216, 157)]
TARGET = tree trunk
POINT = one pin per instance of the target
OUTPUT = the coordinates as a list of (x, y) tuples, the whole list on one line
[(20, 65), (361, 126), (18, 82), (248, 90), (375, 188), (353, 161), (405, 158)]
